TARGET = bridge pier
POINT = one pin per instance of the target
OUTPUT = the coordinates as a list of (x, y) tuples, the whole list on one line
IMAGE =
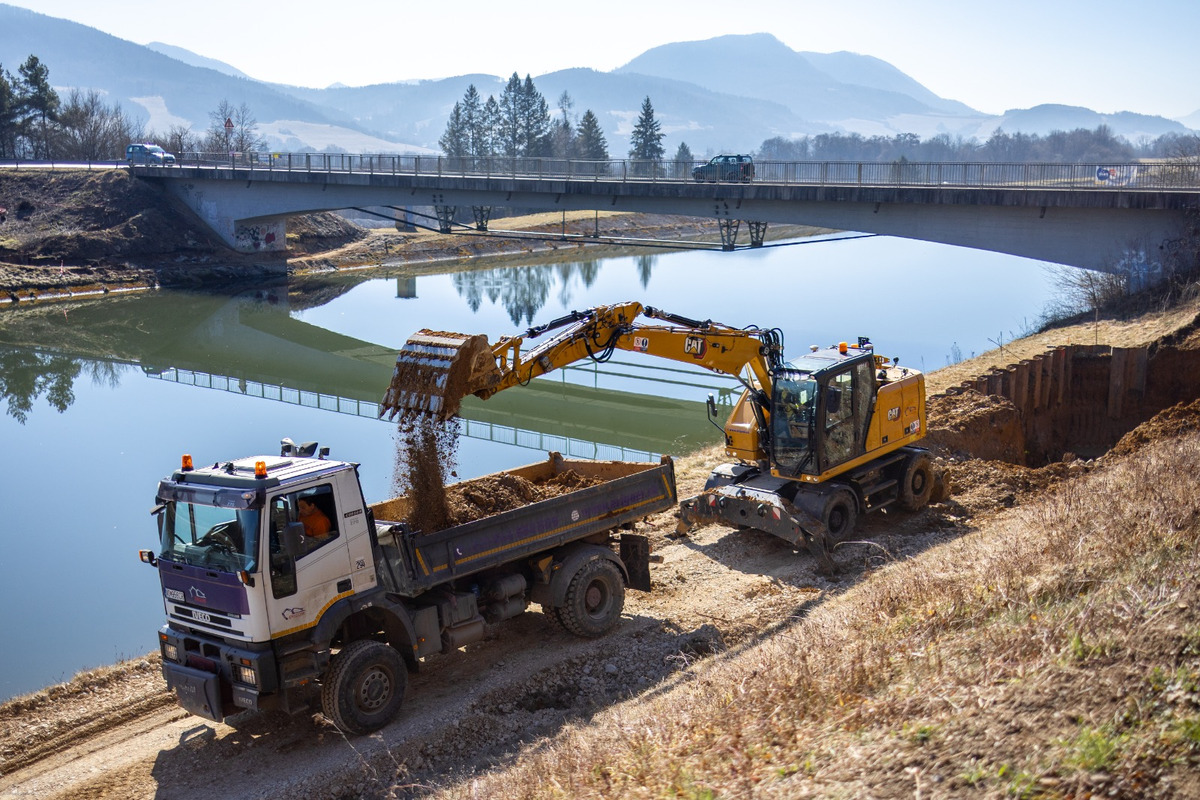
[(729, 232), (445, 217), (758, 232), (482, 215)]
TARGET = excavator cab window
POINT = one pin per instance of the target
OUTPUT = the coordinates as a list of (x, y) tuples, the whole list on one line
[(793, 413)]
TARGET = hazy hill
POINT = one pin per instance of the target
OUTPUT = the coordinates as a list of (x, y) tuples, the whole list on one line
[(159, 89), (188, 57)]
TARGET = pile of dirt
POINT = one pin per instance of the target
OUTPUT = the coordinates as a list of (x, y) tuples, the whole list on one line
[(1171, 422), (495, 494), (970, 424)]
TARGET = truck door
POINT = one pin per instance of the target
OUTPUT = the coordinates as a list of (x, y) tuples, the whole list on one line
[(303, 587)]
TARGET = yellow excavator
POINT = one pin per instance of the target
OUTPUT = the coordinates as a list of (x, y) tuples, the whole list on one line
[(815, 441)]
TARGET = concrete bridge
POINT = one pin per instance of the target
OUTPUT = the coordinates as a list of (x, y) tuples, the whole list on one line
[(1099, 216)]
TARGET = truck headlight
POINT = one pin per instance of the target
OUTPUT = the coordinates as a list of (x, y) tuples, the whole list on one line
[(170, 651), (244, 674)]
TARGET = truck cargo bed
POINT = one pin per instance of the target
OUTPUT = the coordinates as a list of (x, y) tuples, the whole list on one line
[(420, 560)]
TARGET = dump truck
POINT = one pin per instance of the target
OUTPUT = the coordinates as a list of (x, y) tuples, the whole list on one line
[(263, 615), (816, 441)]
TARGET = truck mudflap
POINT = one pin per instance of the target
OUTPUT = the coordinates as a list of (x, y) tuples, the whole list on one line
[(198, 691)]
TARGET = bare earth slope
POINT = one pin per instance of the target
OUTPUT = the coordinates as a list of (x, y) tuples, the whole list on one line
[(719, 595)]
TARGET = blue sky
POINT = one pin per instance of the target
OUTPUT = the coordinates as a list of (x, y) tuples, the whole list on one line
[(1102, 54)]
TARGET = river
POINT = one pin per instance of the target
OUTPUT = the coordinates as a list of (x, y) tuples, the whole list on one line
[(103, 396)]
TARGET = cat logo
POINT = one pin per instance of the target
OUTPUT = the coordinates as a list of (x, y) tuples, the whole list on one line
[(695, 345), (893, 414)]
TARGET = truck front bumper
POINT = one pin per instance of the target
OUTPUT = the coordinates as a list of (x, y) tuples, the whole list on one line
[(201, 670)]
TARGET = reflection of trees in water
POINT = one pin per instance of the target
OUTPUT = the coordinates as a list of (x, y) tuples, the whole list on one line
[(26, 375), (645, 264), (523, 291)]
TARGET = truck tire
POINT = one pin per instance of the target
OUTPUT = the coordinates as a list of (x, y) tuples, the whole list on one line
[(594, 599), (916, 484), (364, 686), (841, 513)]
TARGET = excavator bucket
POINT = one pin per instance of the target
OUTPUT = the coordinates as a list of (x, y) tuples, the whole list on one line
[(435, 370)]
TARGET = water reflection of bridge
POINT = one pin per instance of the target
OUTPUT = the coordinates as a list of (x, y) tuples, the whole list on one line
[(570, 437), (252, 343)]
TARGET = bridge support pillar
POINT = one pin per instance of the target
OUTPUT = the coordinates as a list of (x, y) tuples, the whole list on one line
[(758, 232), (445, 217), (729, 232), (482, 215)]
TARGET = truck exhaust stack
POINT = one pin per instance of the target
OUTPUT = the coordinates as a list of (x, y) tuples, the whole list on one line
[(434, 371)]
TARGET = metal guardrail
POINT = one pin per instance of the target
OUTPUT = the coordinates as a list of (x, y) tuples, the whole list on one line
[(1140, 176), (1153, 176)]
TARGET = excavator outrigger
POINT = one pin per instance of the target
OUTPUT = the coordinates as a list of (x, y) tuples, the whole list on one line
[(816, 441)]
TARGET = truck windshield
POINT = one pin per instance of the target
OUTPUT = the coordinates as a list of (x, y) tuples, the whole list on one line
[(793, 407), (209, 536)]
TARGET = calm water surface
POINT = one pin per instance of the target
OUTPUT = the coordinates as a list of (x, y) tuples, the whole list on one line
[(102, 397)]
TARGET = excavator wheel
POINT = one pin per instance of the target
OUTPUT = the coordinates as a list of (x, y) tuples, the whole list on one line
[(841, 513), (916, 484)]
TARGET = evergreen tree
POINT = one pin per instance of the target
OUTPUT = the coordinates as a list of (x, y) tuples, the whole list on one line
[(508, 133), (9, 115), (590, 143), (490, 127), (472, 120), (455, 141), (683, 161), (38, 103), (537, 120), (645, 145)]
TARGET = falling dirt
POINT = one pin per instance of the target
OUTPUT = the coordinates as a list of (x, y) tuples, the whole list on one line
[(426, 454)]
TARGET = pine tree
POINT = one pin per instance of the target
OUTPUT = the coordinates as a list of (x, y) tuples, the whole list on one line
[(490, 126), (562, 133), (9, 115), (590, 143), (535, 118), (38, 104), (508, 133), (683, 161), (645, 145), (472, 120), (455, 141)]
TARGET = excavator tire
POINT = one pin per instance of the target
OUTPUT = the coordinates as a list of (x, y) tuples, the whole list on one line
[(916, 484), (364, 687), (841, 513)]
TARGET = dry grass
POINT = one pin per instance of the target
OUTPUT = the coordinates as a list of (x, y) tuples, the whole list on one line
[(1055, 653)]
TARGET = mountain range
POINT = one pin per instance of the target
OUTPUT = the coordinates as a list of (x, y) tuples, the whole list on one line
[(726, 93)]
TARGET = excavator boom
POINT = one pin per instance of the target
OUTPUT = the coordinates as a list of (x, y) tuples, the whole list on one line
[(435, 370)]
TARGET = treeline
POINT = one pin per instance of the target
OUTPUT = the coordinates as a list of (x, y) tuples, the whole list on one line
[(37, 124), (1079, 146), (519, 124)]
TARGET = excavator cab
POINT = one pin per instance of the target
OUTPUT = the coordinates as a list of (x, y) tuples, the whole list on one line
[(820, 411)]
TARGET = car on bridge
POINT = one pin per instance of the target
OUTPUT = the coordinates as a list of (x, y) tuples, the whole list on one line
[(147, 153), (726, 167)]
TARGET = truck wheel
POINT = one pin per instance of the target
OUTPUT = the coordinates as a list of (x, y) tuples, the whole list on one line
[(594, 600), (841, 512), (364, 687), (917, 482)]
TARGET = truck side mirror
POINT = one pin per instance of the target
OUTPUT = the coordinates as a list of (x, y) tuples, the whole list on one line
[(293, 539)]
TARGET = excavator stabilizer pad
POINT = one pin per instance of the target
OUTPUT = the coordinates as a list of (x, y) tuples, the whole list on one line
[(434, 371)]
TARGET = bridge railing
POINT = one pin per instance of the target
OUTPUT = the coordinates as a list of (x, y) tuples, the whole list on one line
[(1133, 176)]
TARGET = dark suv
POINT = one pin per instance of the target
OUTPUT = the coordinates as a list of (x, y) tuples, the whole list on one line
[(726, 168)]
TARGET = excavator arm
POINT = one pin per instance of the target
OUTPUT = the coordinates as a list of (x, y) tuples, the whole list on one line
[(435, 370)]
